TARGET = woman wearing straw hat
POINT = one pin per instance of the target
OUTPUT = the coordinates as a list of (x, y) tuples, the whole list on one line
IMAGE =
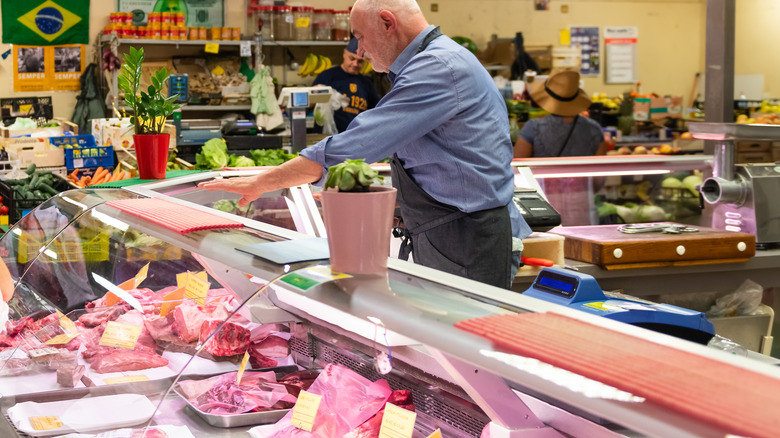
[(564, 133)]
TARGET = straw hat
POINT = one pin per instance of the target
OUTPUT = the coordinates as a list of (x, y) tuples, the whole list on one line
[(560, 94)]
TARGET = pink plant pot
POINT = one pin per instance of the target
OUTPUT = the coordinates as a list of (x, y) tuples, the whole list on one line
[(358, 227)]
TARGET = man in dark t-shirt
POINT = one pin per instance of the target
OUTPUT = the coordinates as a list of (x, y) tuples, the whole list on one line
[(347, 80)]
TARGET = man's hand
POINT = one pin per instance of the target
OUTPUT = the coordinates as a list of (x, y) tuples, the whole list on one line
[(246, 186)]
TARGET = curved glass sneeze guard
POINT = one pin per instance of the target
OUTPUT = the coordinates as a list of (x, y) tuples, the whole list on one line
[(73, 350), (165, 347)]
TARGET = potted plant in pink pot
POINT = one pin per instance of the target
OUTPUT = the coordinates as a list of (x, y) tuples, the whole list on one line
[(358, 218), (150, 109)]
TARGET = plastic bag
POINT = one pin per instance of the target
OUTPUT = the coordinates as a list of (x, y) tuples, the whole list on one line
[(746, 300), (23, 123), (323, 112)]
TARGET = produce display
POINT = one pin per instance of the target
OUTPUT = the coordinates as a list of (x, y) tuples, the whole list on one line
[(214, 155), (100, 176), (314, 65), (655, 199)]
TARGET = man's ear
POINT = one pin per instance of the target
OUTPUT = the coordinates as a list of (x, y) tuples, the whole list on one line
[(387, 20)]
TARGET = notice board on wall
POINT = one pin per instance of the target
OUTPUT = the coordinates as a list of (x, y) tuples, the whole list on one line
[(620, 45)]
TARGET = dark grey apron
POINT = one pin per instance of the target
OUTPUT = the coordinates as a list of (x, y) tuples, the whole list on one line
[(474, 245)]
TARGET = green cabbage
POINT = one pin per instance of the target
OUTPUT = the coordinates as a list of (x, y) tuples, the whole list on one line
[(213, 155), (240, 161)]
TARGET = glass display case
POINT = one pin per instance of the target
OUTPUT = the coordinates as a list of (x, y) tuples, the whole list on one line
[(619, 189), (124, 322)]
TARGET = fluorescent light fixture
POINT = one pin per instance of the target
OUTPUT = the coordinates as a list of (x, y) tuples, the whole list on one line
[(574, 382), (602, 173)]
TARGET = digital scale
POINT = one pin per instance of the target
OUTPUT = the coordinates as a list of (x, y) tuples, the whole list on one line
[(582, 292)]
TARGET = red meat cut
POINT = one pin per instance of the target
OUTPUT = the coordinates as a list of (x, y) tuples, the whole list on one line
[(121, 359), (232, 339)]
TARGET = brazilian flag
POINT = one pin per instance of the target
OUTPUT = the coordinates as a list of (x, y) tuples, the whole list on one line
[(45, 23)]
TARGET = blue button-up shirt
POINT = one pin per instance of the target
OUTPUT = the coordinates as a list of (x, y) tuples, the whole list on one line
[(447, 122)]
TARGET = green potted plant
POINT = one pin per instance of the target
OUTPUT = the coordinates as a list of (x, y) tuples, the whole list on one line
[(150, 110), (358, 218)]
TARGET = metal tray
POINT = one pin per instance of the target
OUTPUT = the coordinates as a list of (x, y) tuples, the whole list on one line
[(237, 420), (734, 131)]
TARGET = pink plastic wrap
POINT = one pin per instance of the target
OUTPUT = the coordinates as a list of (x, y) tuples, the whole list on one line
[(221, 395), (348, 400)]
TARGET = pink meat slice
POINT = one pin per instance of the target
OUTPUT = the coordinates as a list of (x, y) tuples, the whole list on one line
[(187, 319), (232, 339), (272, 346), (120, 359)]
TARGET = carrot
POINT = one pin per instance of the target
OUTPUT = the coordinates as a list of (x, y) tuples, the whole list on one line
[(87, 180), (98, 170), (74, 174), (115, 176), (99, 174)]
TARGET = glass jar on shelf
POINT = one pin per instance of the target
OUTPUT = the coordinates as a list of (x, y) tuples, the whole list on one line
[(302, 16), (283, 23), (265, 23), (341, 26), (322, 27)]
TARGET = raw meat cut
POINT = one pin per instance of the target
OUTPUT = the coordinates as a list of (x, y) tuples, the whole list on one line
[(370, 429), (348, 400), (272, 346), (188, 317), (232, 339), (257, 360), (299, 380), (222, 395), (100, 316), (136, 318), (161, 327), (68, 375), (120, 359)]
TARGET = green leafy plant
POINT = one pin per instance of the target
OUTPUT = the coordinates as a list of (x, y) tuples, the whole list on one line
[(151, 107), (352, 176)]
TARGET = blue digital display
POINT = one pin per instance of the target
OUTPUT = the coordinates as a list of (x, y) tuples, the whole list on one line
[(557, 284), (300, 99)]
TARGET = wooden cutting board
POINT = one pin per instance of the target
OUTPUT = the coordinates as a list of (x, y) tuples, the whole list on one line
[(606, 246)]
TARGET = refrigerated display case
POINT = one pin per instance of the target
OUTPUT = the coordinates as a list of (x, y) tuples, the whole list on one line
[(141, 344), (619, 189)]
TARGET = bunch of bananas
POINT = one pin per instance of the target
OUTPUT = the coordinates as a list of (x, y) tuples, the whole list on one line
[(314, 65), (366, 69)]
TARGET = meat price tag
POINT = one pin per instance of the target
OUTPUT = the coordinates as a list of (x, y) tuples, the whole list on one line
[(126, 379), (141, 275), (305, 410), (120, 335), (435, 434), (69, 331), (172, 300), (241, 368), (397, 422), (196, 288), (45, 423)]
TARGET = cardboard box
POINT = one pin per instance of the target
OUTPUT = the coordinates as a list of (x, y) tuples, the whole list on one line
[(754, 146), (656, 108), (35, 150), (499, 51), (65, 125), (776, 151), (99, 128), (753, 157), (544, 246)]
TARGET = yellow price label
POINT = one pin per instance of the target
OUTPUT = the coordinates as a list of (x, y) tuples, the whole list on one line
[(120, 335), (61, 339), (242, 367), (126, 379), (196, 288), (436, 434), (45, 423), (172, 300), (397, 422), (302, 22), (305, 410), (212, 48)]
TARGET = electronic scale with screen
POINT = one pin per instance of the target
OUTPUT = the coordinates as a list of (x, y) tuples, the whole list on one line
[(582, 292)]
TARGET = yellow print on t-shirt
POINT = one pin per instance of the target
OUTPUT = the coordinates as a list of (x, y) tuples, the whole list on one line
[(358, 103)]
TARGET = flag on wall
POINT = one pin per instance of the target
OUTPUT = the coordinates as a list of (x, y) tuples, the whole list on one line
[(45, 23)]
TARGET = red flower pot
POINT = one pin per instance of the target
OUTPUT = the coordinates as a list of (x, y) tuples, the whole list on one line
[(151, 151)]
